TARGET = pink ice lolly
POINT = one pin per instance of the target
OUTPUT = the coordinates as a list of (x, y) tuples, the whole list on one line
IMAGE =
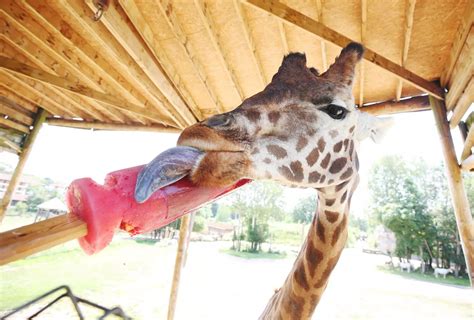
[(107, 207)]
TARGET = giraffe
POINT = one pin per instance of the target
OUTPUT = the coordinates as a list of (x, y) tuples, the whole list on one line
[(302, 130)]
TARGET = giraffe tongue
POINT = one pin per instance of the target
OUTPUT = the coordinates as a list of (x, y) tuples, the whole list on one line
[(168, 167)]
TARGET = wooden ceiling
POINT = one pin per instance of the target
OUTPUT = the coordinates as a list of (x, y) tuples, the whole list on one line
[(165, 64)]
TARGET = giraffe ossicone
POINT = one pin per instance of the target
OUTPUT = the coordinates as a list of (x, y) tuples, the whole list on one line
[(302, 130)]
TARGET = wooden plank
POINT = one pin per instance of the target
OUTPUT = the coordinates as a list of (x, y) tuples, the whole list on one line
[(109, 69), (35, 74), (409, 14), (10, 109), (109, 126), (10, 144), (363, 35), (461, 73), (462, 210), (24, 103), (59, 64), (292, 16), (466, 99), (461, 35), (120, 26), (468, 144), (250, 42), (468, 163), (211, 29), (27, 147), (24, 241), (14, 125), (178, 266), (420, 103)]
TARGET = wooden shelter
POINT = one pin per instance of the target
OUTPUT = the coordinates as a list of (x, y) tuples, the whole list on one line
[(163, 65)]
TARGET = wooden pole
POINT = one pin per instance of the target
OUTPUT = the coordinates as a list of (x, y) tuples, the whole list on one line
[(458, 193), (40, 117), (183, 232)]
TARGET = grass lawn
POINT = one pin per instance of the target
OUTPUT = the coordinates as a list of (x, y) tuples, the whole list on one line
[(287, 233), (429, 277), (254, 255)]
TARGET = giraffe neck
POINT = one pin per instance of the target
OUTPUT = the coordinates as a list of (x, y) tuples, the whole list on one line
[(326, 238)]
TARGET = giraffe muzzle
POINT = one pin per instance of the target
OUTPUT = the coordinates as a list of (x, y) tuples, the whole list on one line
[(168, 167)]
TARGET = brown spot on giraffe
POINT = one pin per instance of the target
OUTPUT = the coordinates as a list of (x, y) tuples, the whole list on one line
[(267, 160), (351, 149), (331, 216), (320, 230), (338, 165), (294, 305), (325, 275), (333, 133), (293, 173), (330, 181), (312, 157), (300, 276), (321, 144), (343, 197), (313, 257), (329, 202), (253, 115), (351, 129), (302, 142), (325, 161), (322, 179), (346, 144), (338, 230), (337, 147), (340, 186), (255, 151), (274, 116), (347, 174), (277, 151), (356, 160), (282, 138), (314, 177)]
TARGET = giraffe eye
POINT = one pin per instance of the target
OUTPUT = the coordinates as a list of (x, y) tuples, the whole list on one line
[(220, 120), (335, 111)]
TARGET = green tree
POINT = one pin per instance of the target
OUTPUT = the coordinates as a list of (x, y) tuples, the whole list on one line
[(304, 210), (39, 193)]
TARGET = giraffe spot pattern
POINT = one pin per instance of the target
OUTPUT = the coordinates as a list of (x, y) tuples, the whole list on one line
[(333, 133), (351, 129), (321, 144), (343, 197), (346, 144), (337, 147), (312, 157), (293, 173), (338, 165), (253, 115), (322, 179), (277, 151), (255, 151), (325, 275), (330, 181), (351, 149), (338, 230), (329, 202), (300, 276), (331, 216), (314, 177), (320, 230), (313, 258), (267, 160), (273, 117), (347, 174), (302, 142), (325, 162), (293, 305), (342, 185)]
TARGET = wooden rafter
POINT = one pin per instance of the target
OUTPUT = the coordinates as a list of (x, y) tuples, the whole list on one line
[(409, 14), (12, 110), (292, 16), (250, 42), (420, 103), (109, 126), (324, 58), (13, 96), (468, 144), (363, 35), (466, 99), (35, 74), (14, 125), (465, 27), (10, 144), (211, 29)]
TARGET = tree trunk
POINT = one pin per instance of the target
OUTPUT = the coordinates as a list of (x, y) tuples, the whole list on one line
[(422, 265)]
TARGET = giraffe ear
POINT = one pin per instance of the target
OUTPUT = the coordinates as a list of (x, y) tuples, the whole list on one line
[(374, 127), (293, 69), (343, 69)]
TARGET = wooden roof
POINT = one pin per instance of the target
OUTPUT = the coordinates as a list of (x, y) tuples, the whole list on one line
[(167, 64)]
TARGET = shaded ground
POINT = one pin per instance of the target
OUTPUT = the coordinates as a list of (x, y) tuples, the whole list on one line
[(216, 285)]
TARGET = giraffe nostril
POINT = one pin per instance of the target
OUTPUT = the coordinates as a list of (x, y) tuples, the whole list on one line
[(219, 120)]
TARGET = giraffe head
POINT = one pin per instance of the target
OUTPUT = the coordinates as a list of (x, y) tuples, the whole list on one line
[(301, 130)]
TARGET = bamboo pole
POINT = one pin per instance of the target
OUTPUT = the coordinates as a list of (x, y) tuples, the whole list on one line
[(183, 232), (23, 157), (462, 211)]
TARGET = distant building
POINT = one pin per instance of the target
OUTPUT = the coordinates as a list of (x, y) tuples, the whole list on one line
[(220, 229)]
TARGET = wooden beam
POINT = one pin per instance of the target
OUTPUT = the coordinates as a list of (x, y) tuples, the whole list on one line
[(211, 29), (39, 75), (109, 126), (178, 265), (250, 43), (461, 35), (324, 58), (27, 240), (11, 109), (61, 65), (10, 144), (27, 147), (468, 144), (15, 97), (123, 30), (363, 34), (292, 16), (465, 100), (409, 13), (14, 125), (420, 103), (468, 163), (462, 210)]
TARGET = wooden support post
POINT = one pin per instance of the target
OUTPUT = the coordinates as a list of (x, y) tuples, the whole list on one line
[(183, 233), (458, 193), (40, 117)]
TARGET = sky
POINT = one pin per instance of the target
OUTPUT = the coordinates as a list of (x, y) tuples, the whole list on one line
[(65, 154)]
